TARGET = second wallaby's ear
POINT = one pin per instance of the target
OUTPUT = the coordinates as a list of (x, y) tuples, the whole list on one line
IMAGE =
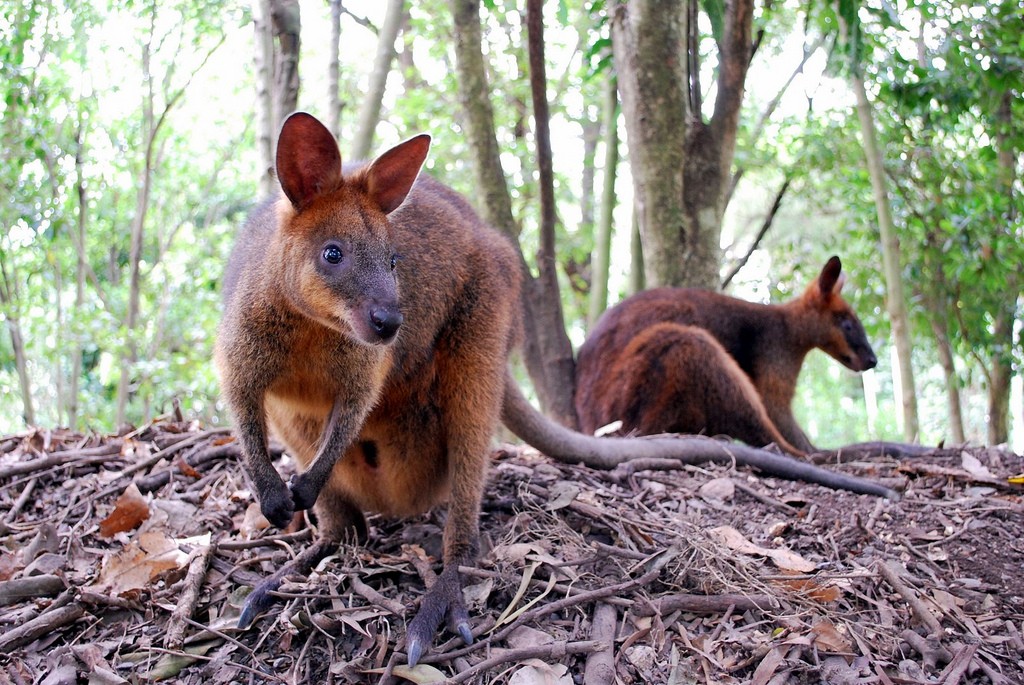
[(308, 160), (831, 280), (390, 176)]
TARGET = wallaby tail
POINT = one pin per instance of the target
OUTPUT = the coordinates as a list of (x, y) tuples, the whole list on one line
[(562, 444)]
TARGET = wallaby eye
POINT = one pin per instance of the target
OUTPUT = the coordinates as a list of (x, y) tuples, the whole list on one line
[(394, 262), (332, 254), (846, 325)]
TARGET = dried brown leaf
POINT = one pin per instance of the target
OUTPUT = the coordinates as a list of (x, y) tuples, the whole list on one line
[(130, 510)]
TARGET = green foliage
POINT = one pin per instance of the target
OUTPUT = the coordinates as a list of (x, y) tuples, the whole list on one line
[(71, 93)]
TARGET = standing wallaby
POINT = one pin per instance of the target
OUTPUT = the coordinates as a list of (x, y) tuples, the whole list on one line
[(686, 360), (368, 320)]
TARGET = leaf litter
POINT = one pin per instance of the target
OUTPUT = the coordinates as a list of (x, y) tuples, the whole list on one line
[(126, 559)]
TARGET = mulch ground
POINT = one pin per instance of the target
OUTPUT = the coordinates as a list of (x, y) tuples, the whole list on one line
[(127, 558)]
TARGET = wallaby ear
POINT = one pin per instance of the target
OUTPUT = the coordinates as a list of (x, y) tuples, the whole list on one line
[(390, 176), (308, 160), (831, 280)]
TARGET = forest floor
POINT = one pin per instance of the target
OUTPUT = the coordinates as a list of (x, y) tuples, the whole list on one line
[(126, 558)]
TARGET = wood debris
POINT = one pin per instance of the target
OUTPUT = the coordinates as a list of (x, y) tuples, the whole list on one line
[(129, 556)]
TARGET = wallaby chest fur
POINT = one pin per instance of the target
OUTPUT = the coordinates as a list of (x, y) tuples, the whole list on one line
[(656, 336)]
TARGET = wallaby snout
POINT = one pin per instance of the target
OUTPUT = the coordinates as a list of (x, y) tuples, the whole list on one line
[(385, 321)]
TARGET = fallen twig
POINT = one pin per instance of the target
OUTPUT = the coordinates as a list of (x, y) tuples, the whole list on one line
[(61, 613), (20, 589), (704, 604), (199, 562), (600, 667), (891, 574), (548, 652)]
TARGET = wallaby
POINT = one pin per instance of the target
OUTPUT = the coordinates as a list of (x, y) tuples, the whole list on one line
[(368, 320), (687, 360)]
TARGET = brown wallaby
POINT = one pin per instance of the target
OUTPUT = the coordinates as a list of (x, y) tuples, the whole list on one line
[(686, 360), (368, 319)]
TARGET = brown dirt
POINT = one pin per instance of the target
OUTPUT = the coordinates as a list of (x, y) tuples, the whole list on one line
[(707, 575)]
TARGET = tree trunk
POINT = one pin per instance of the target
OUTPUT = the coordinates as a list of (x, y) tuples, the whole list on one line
[(1002, 327), (8, 299), (637, 278), (333, 76), (369, 110), (646, 36), (546, 351), (138, 224), (895, 300), (80, 272), (266, 125), (680, 163), (559, 362), (945, 351), (603, 238), (287, 29)]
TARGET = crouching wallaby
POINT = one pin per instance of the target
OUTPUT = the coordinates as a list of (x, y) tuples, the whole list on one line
[(685, 360), (369, 314)]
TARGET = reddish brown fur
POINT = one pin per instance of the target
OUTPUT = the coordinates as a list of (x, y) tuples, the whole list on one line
[(658, 378), (390, 425)]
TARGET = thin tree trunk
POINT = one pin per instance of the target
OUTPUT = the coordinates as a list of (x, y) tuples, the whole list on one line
[(287, 24), (8, 299), (652, 83), (138, 225), (266, 126), (637, 278), (369, 110), (81, 269), (541, 320), (559, 361), (603, 239), (591, 137), (895, 300), (946, 361), (1002, 327), (333, 75)]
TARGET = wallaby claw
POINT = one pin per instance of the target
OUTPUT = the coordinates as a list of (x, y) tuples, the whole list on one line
[(258, 601), (443, 599), (465, 633)]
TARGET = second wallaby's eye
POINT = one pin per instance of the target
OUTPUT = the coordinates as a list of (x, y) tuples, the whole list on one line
[(332, 254), (394, 262)]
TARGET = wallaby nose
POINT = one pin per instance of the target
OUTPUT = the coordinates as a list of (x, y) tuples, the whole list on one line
[(870, 360), (385, 321)]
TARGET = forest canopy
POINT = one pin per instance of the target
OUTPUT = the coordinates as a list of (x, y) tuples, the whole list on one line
[(136, 138)]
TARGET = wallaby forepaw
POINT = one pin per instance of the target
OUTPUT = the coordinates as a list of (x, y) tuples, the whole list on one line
[(443, 599), (277, 506), (303, 492)]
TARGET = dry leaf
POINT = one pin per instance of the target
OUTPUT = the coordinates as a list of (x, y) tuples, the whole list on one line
[(718, 489), (536, 672), (828, 638), (130, 510), (811, 587), (974, 467), (562, 494), (421, 674), (782, 557), (140, 563)]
